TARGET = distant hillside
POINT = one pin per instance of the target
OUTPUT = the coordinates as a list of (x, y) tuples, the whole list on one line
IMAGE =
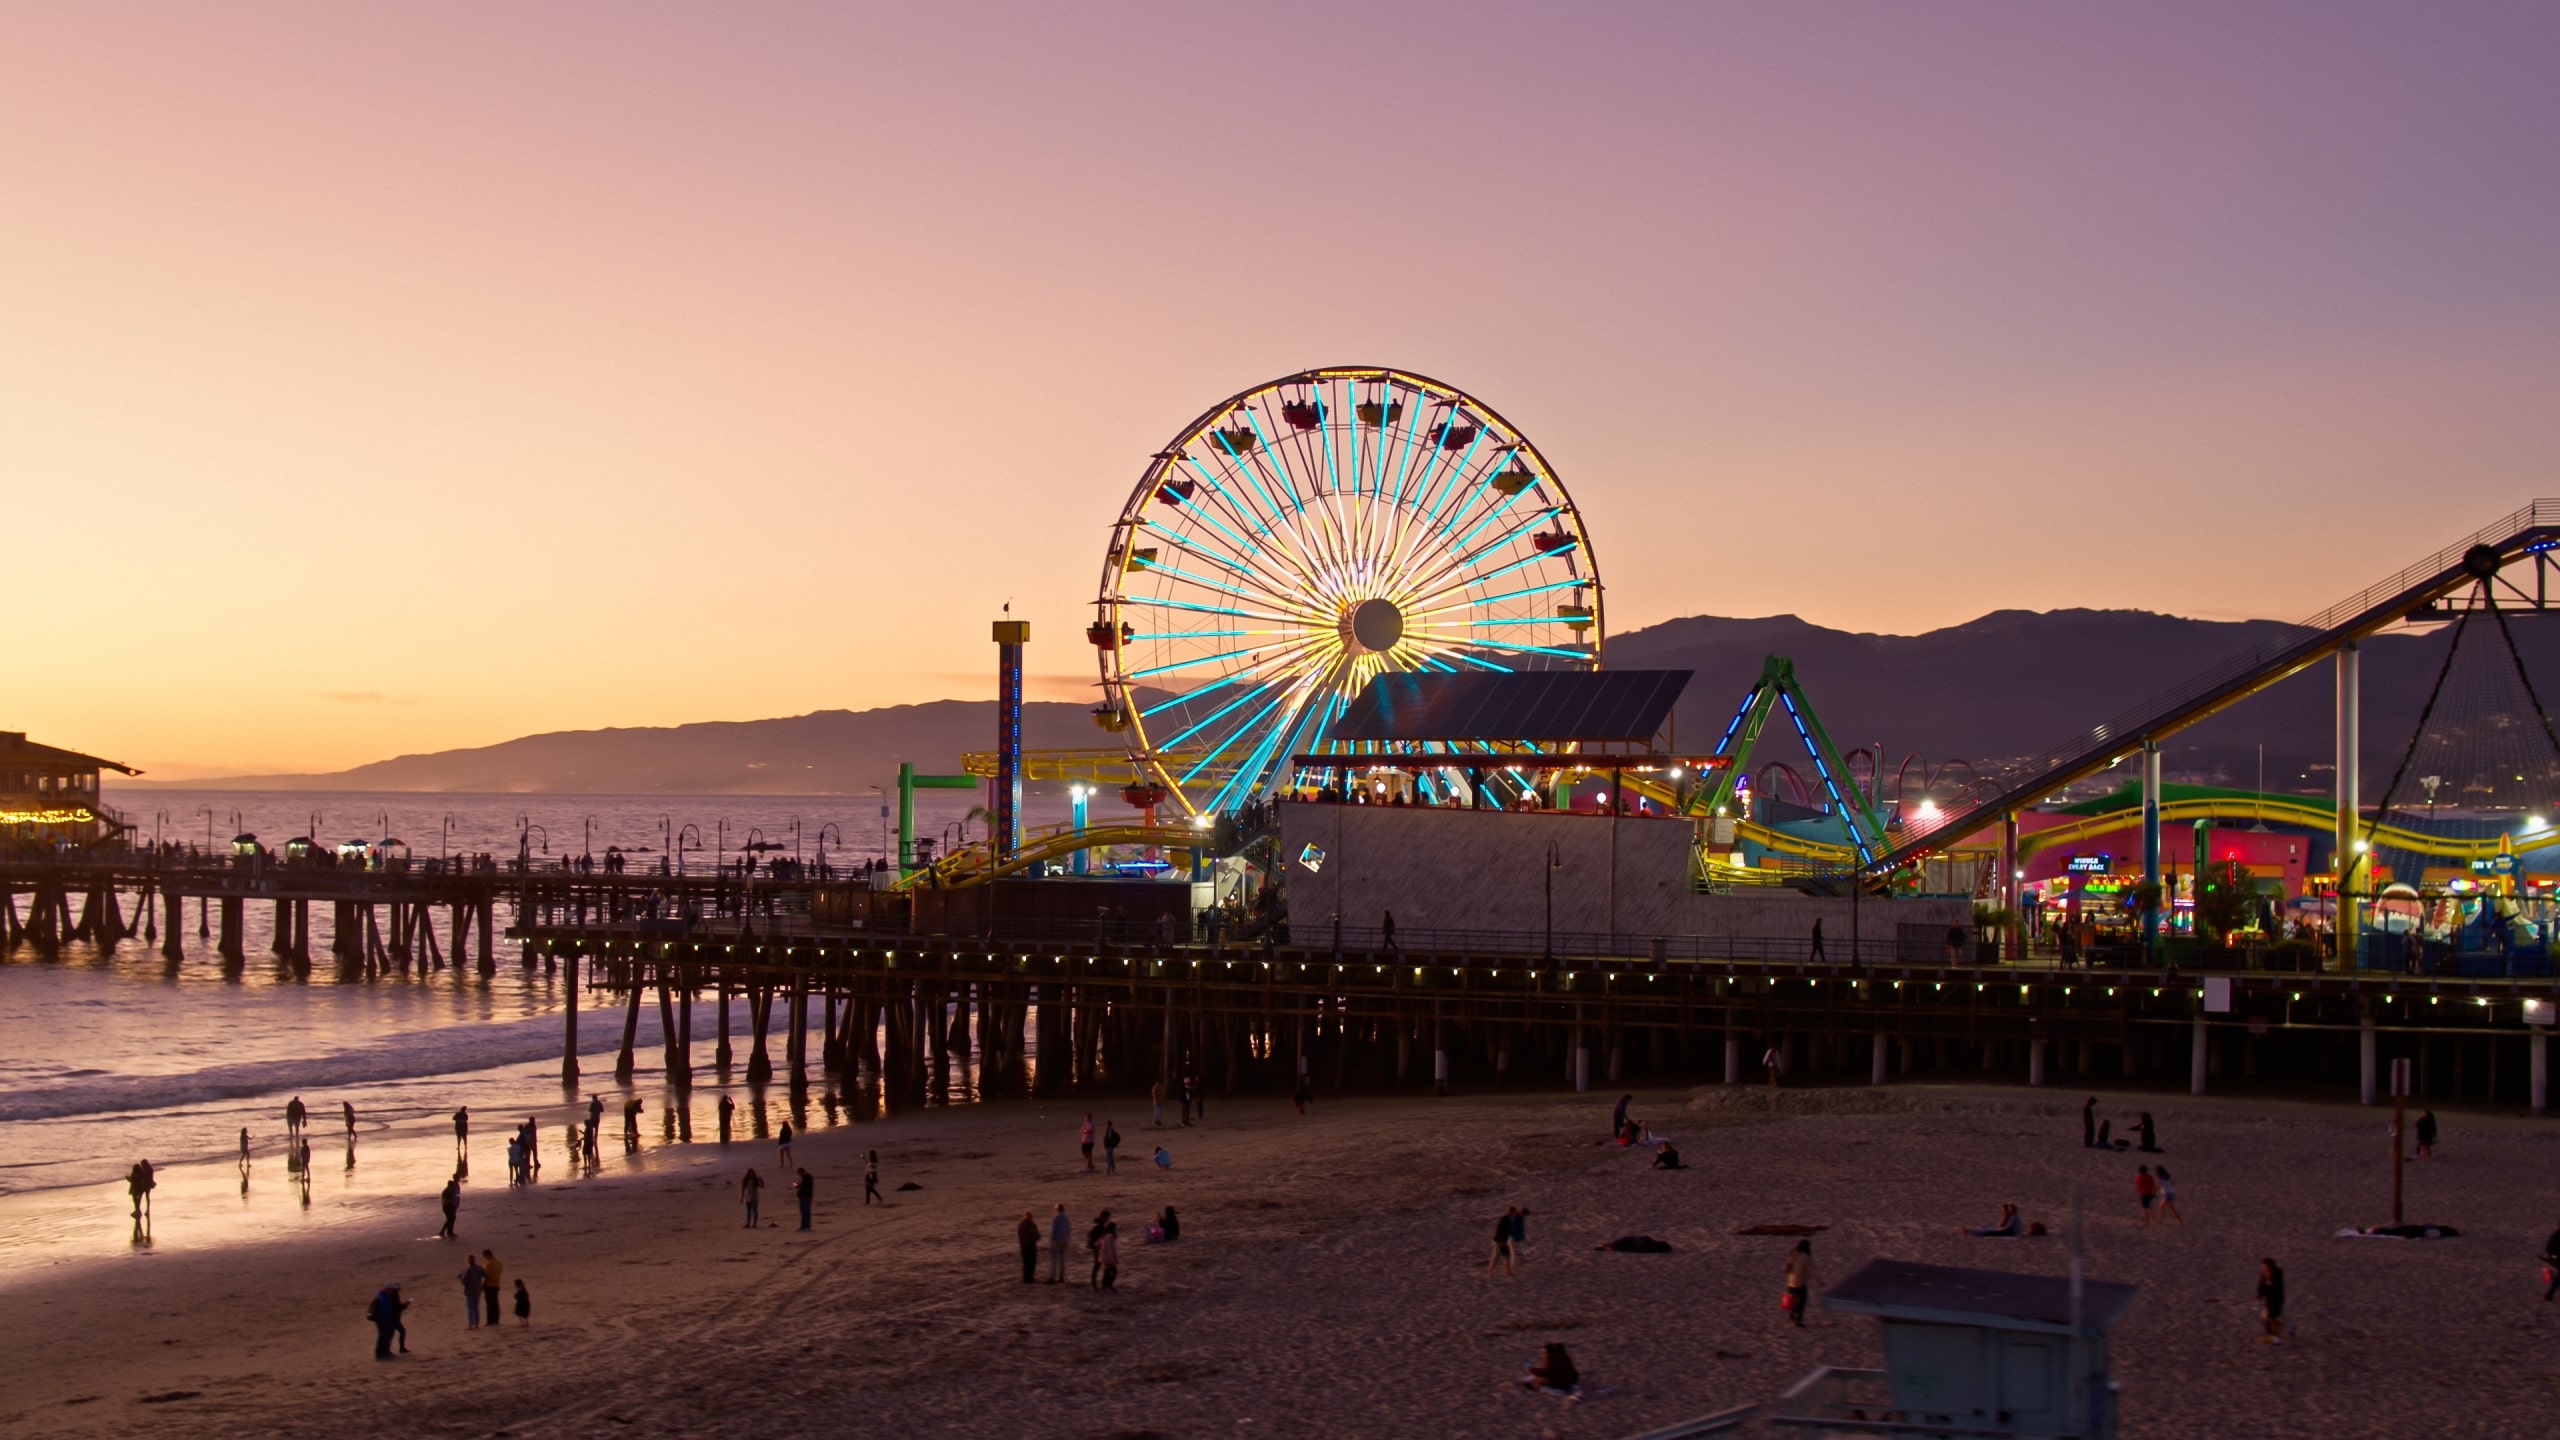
[(2009, 684), (828, 752), (2016, 683)]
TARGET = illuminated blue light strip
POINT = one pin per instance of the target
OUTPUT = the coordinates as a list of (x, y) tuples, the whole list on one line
[(1217, 714), (1203, 660)]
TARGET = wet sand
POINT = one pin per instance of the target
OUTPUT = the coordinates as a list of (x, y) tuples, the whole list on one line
[(1330, 1279)]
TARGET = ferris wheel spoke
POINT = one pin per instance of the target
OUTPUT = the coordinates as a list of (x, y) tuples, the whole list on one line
[(1446, 649), (1277, 587), (1277, 654), (1160, 603), (1458, 568)]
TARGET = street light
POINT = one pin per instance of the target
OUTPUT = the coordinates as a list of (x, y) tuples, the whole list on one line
[(446, 843), (883, 793), (693, 830), (1555, 862), (822, 846), (587, 847)]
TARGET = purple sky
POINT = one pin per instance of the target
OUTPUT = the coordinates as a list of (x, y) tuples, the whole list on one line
[(389, 378)]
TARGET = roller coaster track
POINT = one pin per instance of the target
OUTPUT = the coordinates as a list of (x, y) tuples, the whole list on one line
[(2310, 814), (976, 864), (2481, 563)]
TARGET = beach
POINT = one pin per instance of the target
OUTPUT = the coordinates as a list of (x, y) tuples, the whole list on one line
[(1330, 1278)]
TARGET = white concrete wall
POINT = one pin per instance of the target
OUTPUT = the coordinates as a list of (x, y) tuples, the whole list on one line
[(1484, 870)]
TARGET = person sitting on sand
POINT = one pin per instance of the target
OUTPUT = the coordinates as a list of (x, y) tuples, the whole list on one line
[(1167, 1229), (1666, 1158), (1554, 1373), (2011, 1225)]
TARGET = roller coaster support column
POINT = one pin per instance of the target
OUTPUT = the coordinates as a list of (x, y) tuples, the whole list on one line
[(909, 782), (1005, 834), (2151, 850), (2013, 939), (2347, 921)]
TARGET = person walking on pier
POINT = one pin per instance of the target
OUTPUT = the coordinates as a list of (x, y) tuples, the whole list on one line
[(1817, 939), (451, 1200), (1061, 1230), (1387, 931), (1027, 1234), (751, 1194)]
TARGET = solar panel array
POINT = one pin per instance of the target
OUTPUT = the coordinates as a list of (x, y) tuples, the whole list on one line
[(1542, 706)]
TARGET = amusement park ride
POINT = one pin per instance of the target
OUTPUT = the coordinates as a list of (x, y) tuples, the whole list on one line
[(1301, 539)]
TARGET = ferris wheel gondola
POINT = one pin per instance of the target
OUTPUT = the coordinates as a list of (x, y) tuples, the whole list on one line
[(1302, 537)]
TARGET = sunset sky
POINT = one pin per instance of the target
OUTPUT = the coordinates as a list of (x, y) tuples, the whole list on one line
[(379, 378)]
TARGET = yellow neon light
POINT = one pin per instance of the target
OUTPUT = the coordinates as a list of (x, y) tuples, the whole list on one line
[(74, 816)]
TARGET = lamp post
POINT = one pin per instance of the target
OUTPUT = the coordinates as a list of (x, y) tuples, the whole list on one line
[(720, 843), (883, 793), (749, 849), (446, 843), (1555, 862), (587, 847), (204, 920), (795, 840), (693, 830), (822, 846), (1077, 794)]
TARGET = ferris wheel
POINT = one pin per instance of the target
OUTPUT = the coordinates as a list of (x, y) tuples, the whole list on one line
[(1304, 536)]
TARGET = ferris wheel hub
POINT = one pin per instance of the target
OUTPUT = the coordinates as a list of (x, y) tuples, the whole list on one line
[(1373, 626)]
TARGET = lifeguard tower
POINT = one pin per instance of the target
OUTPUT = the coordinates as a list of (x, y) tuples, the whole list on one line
[(1968, 1353)]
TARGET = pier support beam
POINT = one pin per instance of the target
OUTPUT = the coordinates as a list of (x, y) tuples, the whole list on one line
[(569, 1021), (630, 1026), (173, 907), (2348, 919), (2197, 1051), (1876, 1059), (1732, 1058), (2366, 1058), (2537, 1047), (232, 945), (2035, 1061)]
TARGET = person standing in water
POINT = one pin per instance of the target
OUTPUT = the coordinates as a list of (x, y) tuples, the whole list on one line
[(1800, 1282), (727, 1108), (293, 1116)]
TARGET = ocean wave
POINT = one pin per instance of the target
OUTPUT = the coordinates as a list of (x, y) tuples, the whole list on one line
[(410, 1055)]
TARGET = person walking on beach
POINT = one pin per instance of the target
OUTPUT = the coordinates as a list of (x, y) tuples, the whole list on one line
[(871, 1178), (462, 1132), (524, 1305), (244, 1147), (451, 1199), (2146, 1192), (1502, 1245), (1774, 1059), (2168, 1195), (2551, 1267), (1186, 1088), (1799, 1282), (490, 1270), (1084, 1141), (1199, 1094), (294, 1114), (2426, 1134), (1155, 1099), (1618, 1117), (1110, 1148), (348, 1109), (1093, 1245), (806, 1191), (2271, 1301), (1107, 1255), (384, 1312), (631, 1124), (595, 1113), (1061, 1230), (782, 1146), (727, 1107), (2089, 1124), (1027, 1234), (139, 1184), (474, 1280), (750, 1192), (2149, 1143)]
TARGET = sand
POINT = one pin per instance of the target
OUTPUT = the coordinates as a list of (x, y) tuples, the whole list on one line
[(1331, 1278)]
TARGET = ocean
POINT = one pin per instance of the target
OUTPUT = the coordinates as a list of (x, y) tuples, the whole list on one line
[(107, 1058)]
